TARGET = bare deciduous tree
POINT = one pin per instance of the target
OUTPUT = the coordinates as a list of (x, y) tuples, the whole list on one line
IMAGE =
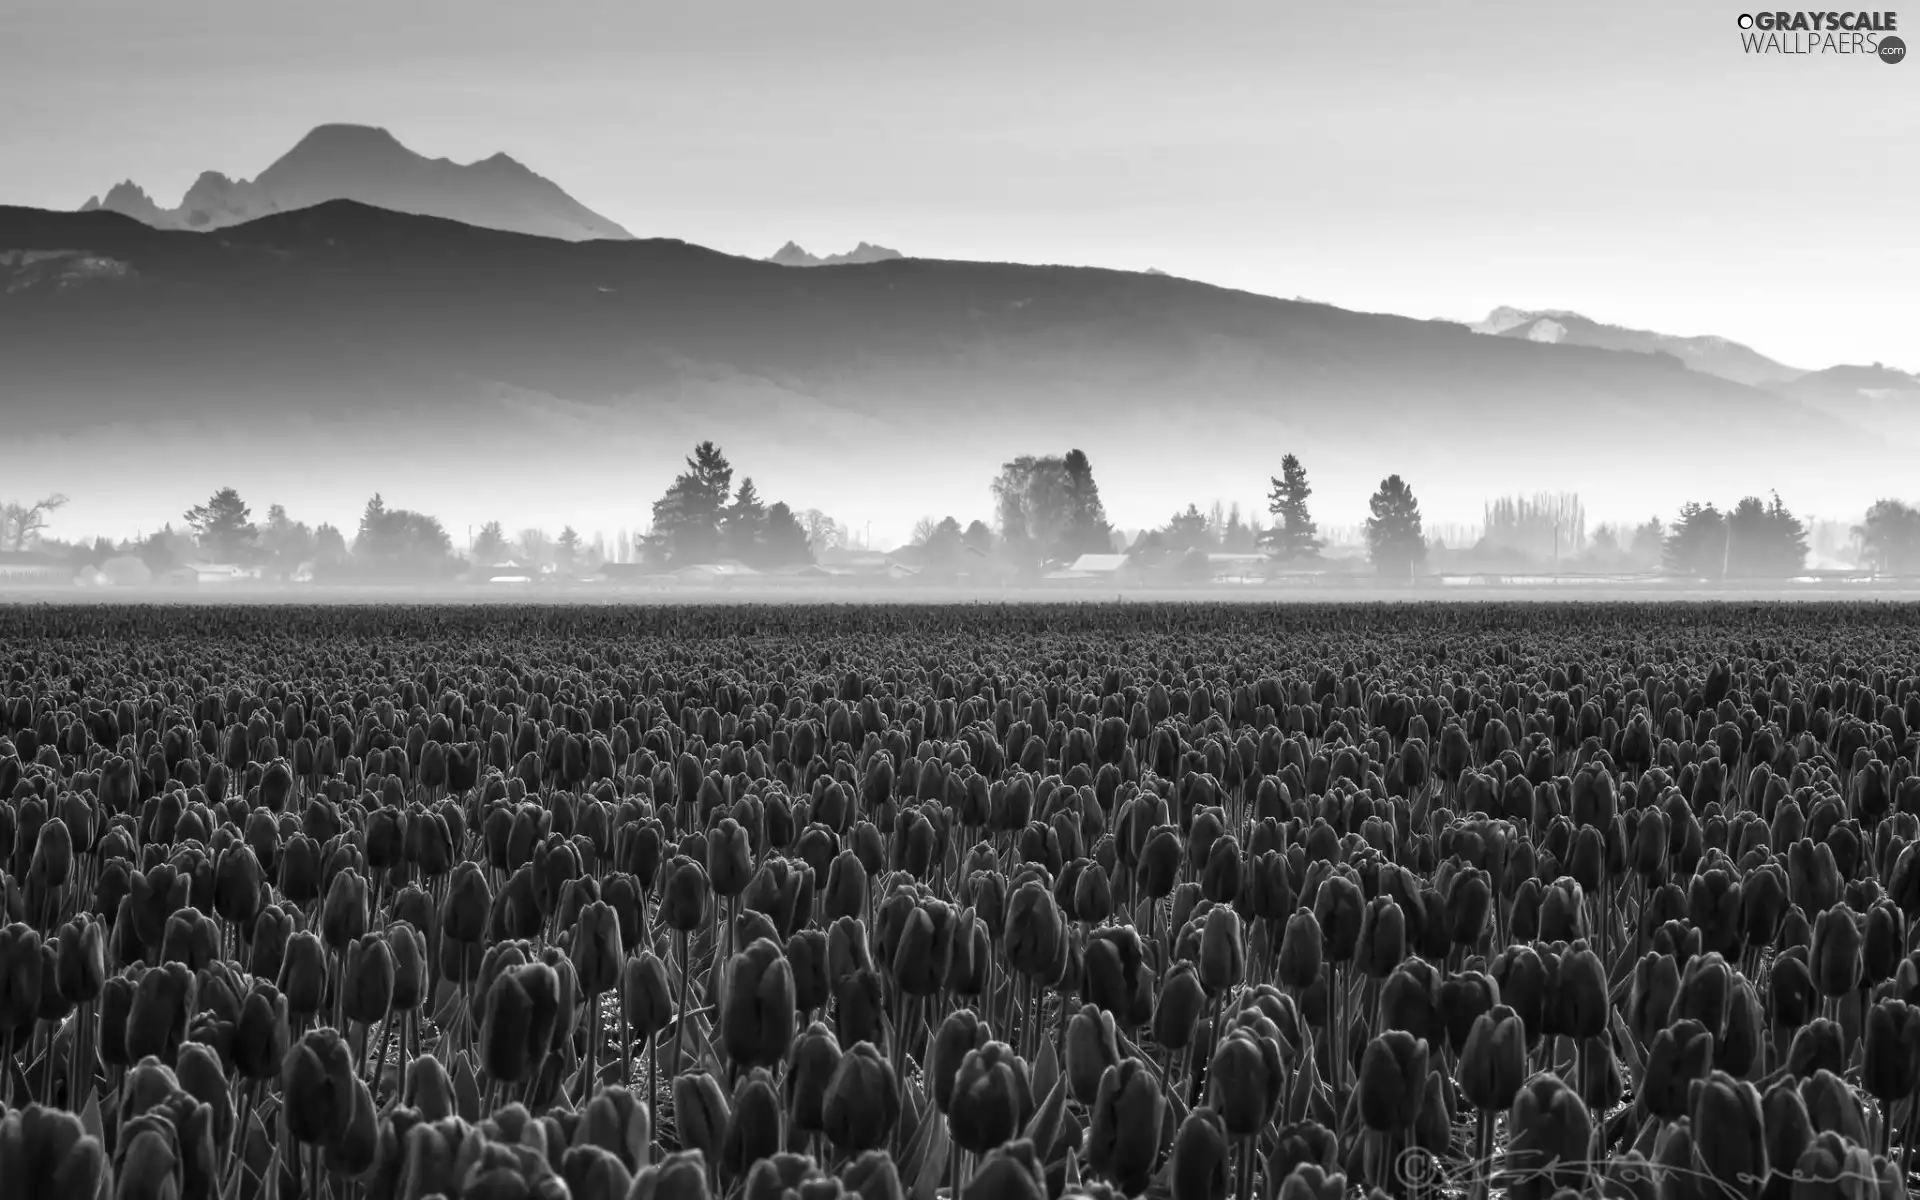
[(21, 523)]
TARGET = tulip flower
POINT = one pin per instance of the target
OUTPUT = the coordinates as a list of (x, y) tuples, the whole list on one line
[(753, 1128), (1012, 1171), (596, 949), (1493, 1063), (1244, 1082), (1125, 1120), (862, 1102), (1550, 1140), (1837, 959), (318, 1085), (1729, 1134), (992, 1098), (1177, 1011), (816, 1054), (1200, 1157), (959, 1035), (756, 1024)]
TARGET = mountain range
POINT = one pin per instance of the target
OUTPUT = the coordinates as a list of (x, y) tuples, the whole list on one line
[(359, 162), (791, 255), (340, 348)]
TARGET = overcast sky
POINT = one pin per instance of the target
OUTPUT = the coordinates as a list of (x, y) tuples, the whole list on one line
[(1436, 158)]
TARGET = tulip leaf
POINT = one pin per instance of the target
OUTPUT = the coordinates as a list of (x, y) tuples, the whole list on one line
[(90, 1118), (466, 1088), (1046, 1069), (1044, 1128), (924, 1164), (258, 1149)]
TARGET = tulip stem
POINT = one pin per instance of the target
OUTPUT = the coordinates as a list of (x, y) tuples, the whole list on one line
[(1482, 1154), (680, 1029)]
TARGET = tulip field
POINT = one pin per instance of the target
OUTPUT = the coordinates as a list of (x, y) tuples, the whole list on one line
[(799, 902)]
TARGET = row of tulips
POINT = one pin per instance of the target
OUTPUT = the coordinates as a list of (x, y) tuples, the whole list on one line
[(614, 923)]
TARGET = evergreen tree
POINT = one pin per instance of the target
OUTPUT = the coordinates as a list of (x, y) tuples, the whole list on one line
[(567, 549), (1087, 531), (285, 542), (1697, 544), (1294, 535), (491, 546), (1396, 541), (743, 524), (1765, 540), (1185, 532), (224, 526), (686, 521), (785, 538), (398, 541)]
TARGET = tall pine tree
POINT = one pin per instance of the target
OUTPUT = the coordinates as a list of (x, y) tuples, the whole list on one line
[(1294, 535), (1396, 541)]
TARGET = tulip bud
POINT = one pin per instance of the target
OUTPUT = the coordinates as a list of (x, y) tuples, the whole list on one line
[(862, 1104), (1012, 1171), (681, 1176), (645, 998), (1244, 1082), (683, 895), (1222, 950), (1091, 1047), (1392, 1080), (261, 1035), (1493, 1065), (873, 1176), (925, 948), (428, 1089), (46, 1152), (1837, 960), (1300, 948), (1200, 1157), (753, 1129), (959, 1035), (80, 969), (1177, 1012), (701, 1113), (815, 1056), (162, 1005), (367, 985), (992, 1098), (318, 1086), (1729, 1135), (757, 1020), (1549, 1144), (343, 918)]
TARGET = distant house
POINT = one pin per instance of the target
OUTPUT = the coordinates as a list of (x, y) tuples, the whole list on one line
[(725, 571), (215, 573), (1095, 569), (1239, 568), (28, 567)]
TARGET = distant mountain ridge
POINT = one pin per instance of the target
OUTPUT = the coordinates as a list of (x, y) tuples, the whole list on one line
[(373, 345), (369, 165), (1713, 355), (792, 255)]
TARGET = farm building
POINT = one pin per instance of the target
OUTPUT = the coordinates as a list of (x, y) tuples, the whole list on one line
[(28, 567)]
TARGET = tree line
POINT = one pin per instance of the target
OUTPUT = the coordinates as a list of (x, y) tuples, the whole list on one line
[(1047, 512)]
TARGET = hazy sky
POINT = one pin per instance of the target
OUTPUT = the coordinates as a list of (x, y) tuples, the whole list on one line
[(1435, 158)]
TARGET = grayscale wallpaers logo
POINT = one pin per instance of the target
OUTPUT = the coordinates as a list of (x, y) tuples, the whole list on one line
[(1867, 34)]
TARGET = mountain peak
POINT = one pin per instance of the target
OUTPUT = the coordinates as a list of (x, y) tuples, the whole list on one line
[(1709, 353), (342, 136), (791, 255), (368, 164)]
